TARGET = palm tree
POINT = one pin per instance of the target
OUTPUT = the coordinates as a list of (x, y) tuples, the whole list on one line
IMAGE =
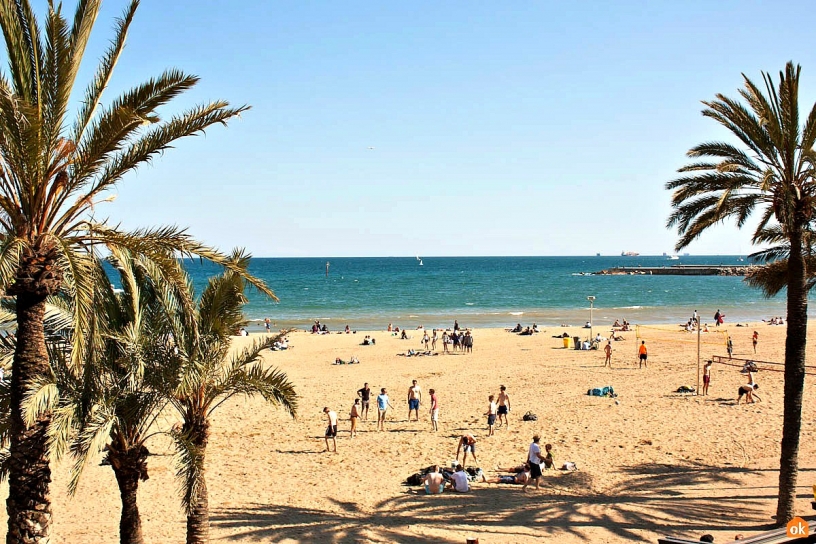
[(53, 170), (772, 171), (208, 376)]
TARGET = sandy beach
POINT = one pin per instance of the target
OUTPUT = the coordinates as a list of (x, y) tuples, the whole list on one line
[(650, 462)]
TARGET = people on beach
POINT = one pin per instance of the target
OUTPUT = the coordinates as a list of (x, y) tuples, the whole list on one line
[(503, 406), (608, 354), (267, 325), (404, 335), (445, 342), (434, 410), (455, 325), (426, 340), (434, 481), (535, 459), (521, 475), (354, 416), (749, 392), (467, 444), (755, 339), (729, 347), (467, 342), (548, 460), (459, 480), (642, 354), (364, 393), (331, 430), (383, 404), (433, 340), (717, 318), (491, 414), (414, 399), (707, 376)]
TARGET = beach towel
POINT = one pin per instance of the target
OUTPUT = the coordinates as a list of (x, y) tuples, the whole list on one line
[(685, 389), (529, 416)]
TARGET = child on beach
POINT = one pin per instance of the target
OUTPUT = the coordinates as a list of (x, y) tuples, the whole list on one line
[(491, 414), (707, 376), (548, 462)]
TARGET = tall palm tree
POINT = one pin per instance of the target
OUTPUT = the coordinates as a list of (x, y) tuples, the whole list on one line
[(53, 170), (772, 172), (208, 376)]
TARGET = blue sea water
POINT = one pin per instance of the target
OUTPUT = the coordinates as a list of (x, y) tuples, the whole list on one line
[(369, 293)]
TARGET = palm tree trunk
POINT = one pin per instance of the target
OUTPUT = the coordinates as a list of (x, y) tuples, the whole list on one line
[(28, 504), (795, 343), (127, 477), (198, 519)]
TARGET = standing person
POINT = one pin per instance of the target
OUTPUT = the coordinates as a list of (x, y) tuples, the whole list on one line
[(491, 414), (707, 376), (445, 342), (504, 406), (382, 409), (729, 347), (266, 324), (434, 410), (354, 416), (535, 458), (467, 342), (455, 325), (696, 318), (642, 354), (717, 317), (414, 399), (433, 340), (608, 353), (365, 396), (331, 430), (755, 339), (468, 444)]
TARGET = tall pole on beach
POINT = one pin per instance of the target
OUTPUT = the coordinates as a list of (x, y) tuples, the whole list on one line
[(698, 354), (591, 300)]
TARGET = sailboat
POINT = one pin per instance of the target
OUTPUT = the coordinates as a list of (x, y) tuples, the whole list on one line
[(420, 260)]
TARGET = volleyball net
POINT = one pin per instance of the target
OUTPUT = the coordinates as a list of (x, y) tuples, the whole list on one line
[(668, 334)]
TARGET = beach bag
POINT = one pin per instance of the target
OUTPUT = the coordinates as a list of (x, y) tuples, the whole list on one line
[(569, 466), (608, 391), (595, 392), (414, 479), (685, 389), (529, 416)]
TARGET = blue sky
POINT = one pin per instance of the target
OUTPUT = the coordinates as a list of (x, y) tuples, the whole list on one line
[(498, 128)]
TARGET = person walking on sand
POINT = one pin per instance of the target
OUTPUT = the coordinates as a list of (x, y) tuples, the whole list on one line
[(608, 353), (331, 430), (383, 403), (535, 459), (433, 340), (354, 416), (434, 410), (414, 399), (504, 406), (467, 444), (491, 414), (426, 340), (365, 397), (642, 354), (729, 347), (707, 376), (755, 339), (445, 342)]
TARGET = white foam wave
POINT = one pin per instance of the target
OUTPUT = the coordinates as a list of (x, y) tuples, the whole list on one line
[(516, 313)]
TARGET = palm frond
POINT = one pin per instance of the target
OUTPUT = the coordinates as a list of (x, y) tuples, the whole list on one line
[(189, 462)]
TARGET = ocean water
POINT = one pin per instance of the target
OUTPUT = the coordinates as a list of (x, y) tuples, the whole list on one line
[(369, 293)]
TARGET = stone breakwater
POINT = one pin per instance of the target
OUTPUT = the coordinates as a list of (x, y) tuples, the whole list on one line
[(678, 270)]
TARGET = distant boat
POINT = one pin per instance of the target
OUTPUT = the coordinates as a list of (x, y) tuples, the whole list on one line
[(740, 259), (420, 260), (597, 254), (629, 253), (672, 258)]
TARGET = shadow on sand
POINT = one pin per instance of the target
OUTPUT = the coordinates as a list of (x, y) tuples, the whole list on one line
[(655, 498)]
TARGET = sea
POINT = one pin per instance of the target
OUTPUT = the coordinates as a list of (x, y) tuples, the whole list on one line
[(369, 293)]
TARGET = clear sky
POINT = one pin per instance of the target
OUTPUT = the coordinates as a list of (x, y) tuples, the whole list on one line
[(497, 128)]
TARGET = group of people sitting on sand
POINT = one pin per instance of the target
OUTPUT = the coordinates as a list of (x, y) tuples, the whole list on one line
[(617, 325), (368, 341), (280, 345), (526, 331), (775, 321), (317, 328)]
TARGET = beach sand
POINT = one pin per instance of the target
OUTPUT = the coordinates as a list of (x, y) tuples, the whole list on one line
[(651, 462)]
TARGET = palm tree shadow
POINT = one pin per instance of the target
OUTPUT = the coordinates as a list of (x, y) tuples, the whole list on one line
[(654, 498)]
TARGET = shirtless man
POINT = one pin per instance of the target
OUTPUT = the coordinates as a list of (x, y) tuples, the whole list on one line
[(434, 410), (434, 482), (749, 391), (608, 353), (468, 444), (504, 406), (414, 399)]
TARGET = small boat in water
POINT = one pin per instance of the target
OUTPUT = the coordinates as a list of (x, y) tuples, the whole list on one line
[(629, 253), (673, 258)]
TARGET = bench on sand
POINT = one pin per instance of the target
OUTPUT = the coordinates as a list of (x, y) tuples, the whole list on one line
[(777, 536)]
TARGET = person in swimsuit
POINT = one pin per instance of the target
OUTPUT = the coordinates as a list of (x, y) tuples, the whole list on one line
[(354, 416), (608, 353), (707, 376), (749, 391), (504, 406), (729, 347), (522, 476), (414, 399), (491, 414), (365, 397), (434, 482), (548, 460), (433, 340), (331, 430), (468, 444), (755, 339)]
